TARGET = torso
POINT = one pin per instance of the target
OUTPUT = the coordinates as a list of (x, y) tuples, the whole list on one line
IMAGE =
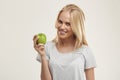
[(66, 64)]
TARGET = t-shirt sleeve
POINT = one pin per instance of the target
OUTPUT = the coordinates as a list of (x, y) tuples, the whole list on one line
[(90, 61), (38, 58)]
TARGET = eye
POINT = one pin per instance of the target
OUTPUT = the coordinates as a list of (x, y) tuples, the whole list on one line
[(67, 23), (60, 22)]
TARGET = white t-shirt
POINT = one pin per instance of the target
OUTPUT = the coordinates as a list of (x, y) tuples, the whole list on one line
[(68, 66)]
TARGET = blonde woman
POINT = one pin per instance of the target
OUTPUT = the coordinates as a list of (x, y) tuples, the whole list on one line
[(68, 56)]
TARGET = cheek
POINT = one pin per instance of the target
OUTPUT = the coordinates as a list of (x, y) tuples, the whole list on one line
[(57, 28), (71, 32), (57, 25)]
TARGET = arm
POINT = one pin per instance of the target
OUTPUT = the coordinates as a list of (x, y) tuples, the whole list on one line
[(89, 74), (45, 72)]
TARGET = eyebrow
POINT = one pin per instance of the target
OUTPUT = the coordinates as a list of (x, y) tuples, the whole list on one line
[(65, 22)]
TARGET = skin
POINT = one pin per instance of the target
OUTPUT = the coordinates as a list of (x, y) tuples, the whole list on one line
[(90, 74), (45, 71), (66, 35), (68, 39)]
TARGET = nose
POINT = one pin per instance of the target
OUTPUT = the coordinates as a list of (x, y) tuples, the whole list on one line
[(62, 26)]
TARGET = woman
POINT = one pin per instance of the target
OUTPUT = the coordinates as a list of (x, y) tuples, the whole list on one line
[(68, 56)]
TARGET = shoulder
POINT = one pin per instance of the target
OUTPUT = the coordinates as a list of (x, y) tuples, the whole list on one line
[(85, 50), (89, 57)]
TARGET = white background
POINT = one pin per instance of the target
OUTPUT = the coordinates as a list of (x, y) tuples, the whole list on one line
[(20, 20)]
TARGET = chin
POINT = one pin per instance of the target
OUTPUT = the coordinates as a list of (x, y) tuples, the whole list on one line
[(62, 37)]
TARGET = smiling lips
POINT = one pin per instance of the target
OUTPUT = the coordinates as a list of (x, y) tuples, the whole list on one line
[(62, 32)]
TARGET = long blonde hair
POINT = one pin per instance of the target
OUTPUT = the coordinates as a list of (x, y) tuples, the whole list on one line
[(77, 24)]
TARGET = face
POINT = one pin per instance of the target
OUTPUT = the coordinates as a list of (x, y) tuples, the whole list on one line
[(64, 29)]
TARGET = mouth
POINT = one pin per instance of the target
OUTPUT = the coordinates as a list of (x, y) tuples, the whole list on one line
[(62, 32)]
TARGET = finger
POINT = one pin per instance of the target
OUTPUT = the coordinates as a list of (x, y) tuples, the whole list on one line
[(40, 45), (35, 39), (36, 47), (35, 36)]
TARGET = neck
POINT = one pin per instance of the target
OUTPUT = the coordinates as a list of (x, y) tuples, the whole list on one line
[(67, 42)]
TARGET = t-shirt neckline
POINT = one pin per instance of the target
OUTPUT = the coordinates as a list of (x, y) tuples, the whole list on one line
[(64, 53)]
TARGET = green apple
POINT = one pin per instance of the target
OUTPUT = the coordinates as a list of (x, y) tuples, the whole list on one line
[(41, 38)]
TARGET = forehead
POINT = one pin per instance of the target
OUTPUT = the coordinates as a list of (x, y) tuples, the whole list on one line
[(64, 16)]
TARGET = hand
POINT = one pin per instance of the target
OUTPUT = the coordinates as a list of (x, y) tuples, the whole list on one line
[(38, 47)]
